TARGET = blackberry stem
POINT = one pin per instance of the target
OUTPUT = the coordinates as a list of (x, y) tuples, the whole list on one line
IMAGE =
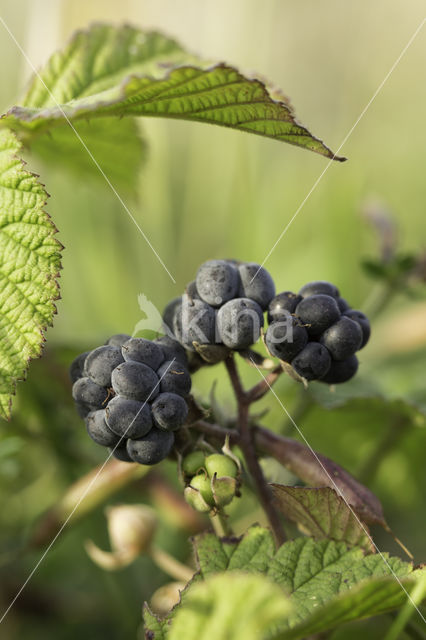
[(247, 446)]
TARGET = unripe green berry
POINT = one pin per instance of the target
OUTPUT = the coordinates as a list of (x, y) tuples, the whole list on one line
[(202, 484), (224, 490), (221, 466), (193, 462), (196, 500)]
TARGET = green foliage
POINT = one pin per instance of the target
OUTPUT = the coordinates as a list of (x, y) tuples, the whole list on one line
[(326, 582), (323, 514), (123, 71), (156, 628), (30, 262), (71, 116), (230, 607), (115, 145)]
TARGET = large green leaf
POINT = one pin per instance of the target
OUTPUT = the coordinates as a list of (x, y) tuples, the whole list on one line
[(230, 606), (328, 582), (376, 596), (322, 514), (124, 71), (115, 146), (29, 267)]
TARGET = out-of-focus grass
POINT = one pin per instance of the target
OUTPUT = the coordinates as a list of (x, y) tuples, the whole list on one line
[(210, 192)]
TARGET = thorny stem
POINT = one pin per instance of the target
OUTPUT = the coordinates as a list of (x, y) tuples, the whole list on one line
[(246, 443)]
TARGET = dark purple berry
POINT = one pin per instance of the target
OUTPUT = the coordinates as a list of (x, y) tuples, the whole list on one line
[(342, 339), (341, 371), (284, 302), (286, 337), (317, 287), (317, 313), (364, 323), (312, 362)]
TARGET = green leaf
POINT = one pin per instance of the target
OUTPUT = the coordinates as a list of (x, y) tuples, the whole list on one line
[(154, 628), (328, 583), (315, 572), (29, 267), (124, 71), (252, 553), (322, 513), (116, 146), (230, 607), (317, 470), (372, 598)]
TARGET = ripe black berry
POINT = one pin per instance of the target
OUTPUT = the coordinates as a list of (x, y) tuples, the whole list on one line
[(256, 284), (135, 380), (77, 366), (142, 350), (342, 339), (90, 394), (317, 313), (169, 411), (283, 303), (194, 321), (172, 349), (169, 314), (343, 304), (118, 339), (319, 287), (101, 362), (341, 371), (362, 320), (312, 362), (286, 337), (239, 322), (152, 448), (129, 418), (217, 282), (174, 378), (98, 429), (120, 452)]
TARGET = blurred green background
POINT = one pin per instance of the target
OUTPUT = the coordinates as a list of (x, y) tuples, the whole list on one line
[(208, 192)]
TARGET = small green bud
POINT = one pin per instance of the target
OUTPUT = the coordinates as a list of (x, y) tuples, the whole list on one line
[(166, 597), (202, 484), (193, 462), (224, 490), (221, 466), (196, 500)]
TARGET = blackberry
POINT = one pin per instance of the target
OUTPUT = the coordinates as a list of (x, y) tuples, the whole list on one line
[(131, 394)]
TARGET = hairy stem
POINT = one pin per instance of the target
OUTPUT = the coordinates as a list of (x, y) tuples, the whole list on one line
[(247, 445)]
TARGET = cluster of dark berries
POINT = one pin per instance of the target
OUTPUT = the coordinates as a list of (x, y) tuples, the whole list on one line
[(316, 332), (131, 393), (223, 306)]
